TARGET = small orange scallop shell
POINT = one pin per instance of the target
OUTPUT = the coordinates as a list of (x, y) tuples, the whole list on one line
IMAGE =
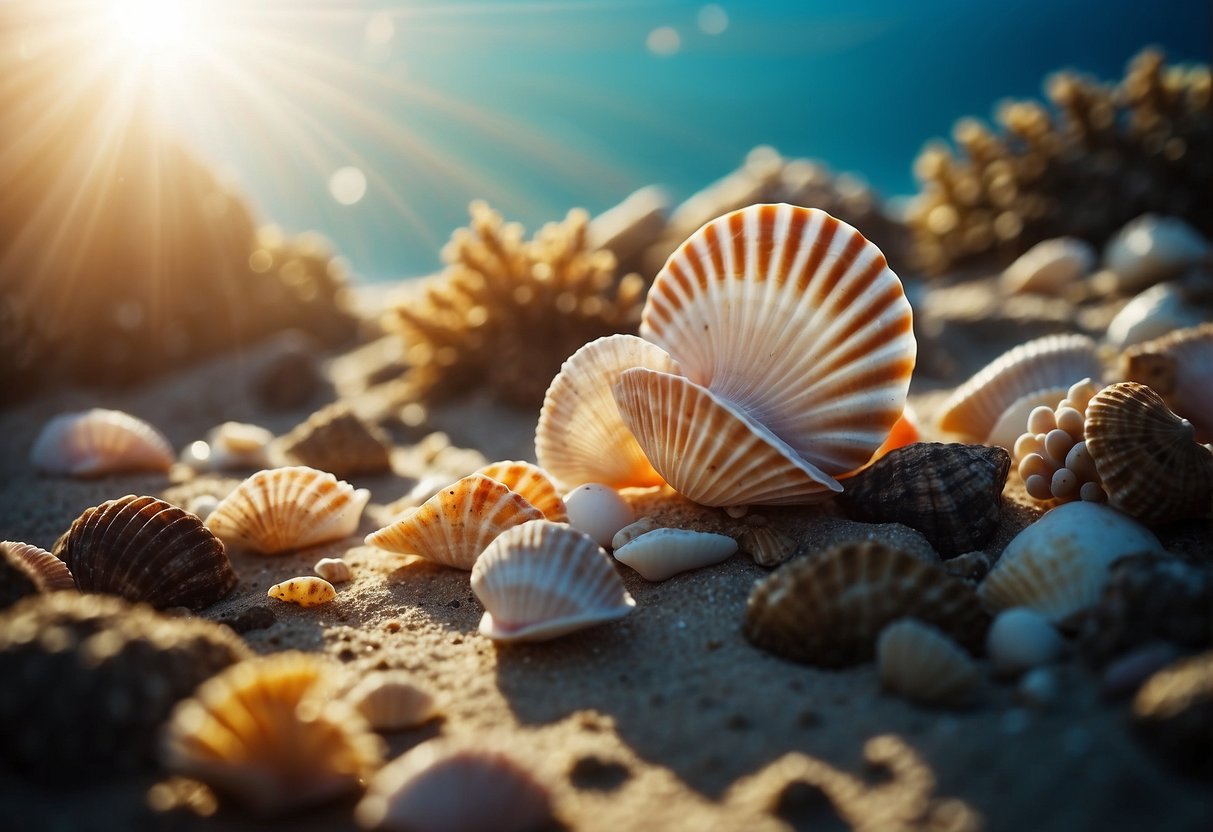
[(533, 483), (306, 591), (580, 437), (708, 451), (283, 509), (455, 525), (48, 573), (795, 319), (543, 580), (391, 701), (96, 442)]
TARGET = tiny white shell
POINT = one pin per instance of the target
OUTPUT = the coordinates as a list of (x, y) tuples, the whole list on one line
[(333, 570), (1021, 639), (390, 700), (1154, 313), (236, 445), (634, 530), (920, 662), (306, 591), (1151, 249), (96, 442), (597, 510), (663, 553), (1049, 267)]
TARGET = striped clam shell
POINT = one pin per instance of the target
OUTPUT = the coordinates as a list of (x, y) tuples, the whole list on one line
[(96, 442), (533, 483), (795, 319), (47, 572), (283, 509)]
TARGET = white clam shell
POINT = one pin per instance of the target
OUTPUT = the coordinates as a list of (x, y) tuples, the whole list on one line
[(598, 510), (543, 580), (98, 441), (283, 509), (1049, 267), (797, 321), (663, 553), (1059, 565), (333, 570), (1020, 639), (920, 662), (391, 700), (1154, 313), (1151, 249)]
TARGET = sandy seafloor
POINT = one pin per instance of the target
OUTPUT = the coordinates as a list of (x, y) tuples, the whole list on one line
[(668, 719)]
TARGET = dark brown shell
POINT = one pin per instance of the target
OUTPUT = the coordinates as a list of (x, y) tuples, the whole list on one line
[(336, 440), (951, 493), (146, 550), (88, 680), (25, 570), (828, 609)]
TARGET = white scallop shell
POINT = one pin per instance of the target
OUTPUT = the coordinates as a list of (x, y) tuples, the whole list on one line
[(580, 437), (710, 452), (1058, 565), (1151, 249), (543, 580), (920, 662), (797, 321), (96, 442), (663, 553), (283, 509), (1049, 267), (1156, 312), (455, 525), (598, 510), (533, 483), (390, 700)]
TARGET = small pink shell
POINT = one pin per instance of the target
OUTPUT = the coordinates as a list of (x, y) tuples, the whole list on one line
[(96, 442)]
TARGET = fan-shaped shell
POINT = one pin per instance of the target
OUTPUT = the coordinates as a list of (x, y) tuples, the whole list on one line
[(710, 452), (144, 549), (767, 546), (797, 321), (919, 662), (1042, 364), (580, 437), (48, 573), (96, 442), (441, 786), (305, 591), (283, 509), (533, 483), (1178, 367), (455, 525), (951, 493), (827, 609), (268, 733), (337, 440), (1059, 564), (663, 553), (390, 700), (1148, 460), (543, 580)]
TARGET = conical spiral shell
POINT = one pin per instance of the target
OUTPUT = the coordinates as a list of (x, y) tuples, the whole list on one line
[(96, 442), (283, 509), (580, 437), (455, 525), (708, 451), (797, 321), (919, 662), (144, 549), (48, 573), (827, 609), (533, 483), (337, 440), (1148, 459), (543, 580)]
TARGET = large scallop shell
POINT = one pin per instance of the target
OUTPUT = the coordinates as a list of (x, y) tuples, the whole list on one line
[(1045, 363), (283, 509), (709, 451), (96, 442), (533, 483), (919, 662), (580, 437), (543, 580), (1148, 460), (1178, 367), (144, 549), (337, 440), (46, 571), (455, 525), (827, 609), (269, 733), (796, 320)]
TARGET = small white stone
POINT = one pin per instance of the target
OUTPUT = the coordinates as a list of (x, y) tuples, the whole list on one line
[(597, 510), (203, 505), (1038, 687), (1021, 639), (333, 570), (1152, 314)]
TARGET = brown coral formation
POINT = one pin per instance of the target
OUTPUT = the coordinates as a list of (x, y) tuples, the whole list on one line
[(1098, 157), (507, 312)]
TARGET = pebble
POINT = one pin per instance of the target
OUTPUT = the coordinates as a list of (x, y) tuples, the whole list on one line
[(1021, 639), (597, 510)]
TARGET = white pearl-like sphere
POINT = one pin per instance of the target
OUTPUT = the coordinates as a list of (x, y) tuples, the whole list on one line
[(1021, 639), (597, 510)]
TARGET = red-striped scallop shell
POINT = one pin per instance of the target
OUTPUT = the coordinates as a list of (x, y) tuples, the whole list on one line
[(96, 442), (533, 483), (795, 319), (284, 509)]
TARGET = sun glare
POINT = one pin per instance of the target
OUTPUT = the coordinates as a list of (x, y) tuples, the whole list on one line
[(162, 31)]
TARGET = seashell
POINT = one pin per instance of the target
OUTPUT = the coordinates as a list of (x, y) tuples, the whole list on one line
[(533, 483), (921, 663), (202, 506), (827, 609), (708, 451), (1059, 564), (598, 510), (1154, 313), (795, 320), (1126, 674), (1173, 713), (1049, 267), (333, 570), (951, 493), (284, 509), (455, 525), (440, 786), (543, 580), (632, 531), (1021, 639), (391, 701), (144, 549), (230, 446), (268, 733), (1046, 363), (663, 553), (1147, 457), (1151, 249), (1178, 367), (767, 546), (580, 437), (337, 440), (306, 591), (44, 570), (95, 442)]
